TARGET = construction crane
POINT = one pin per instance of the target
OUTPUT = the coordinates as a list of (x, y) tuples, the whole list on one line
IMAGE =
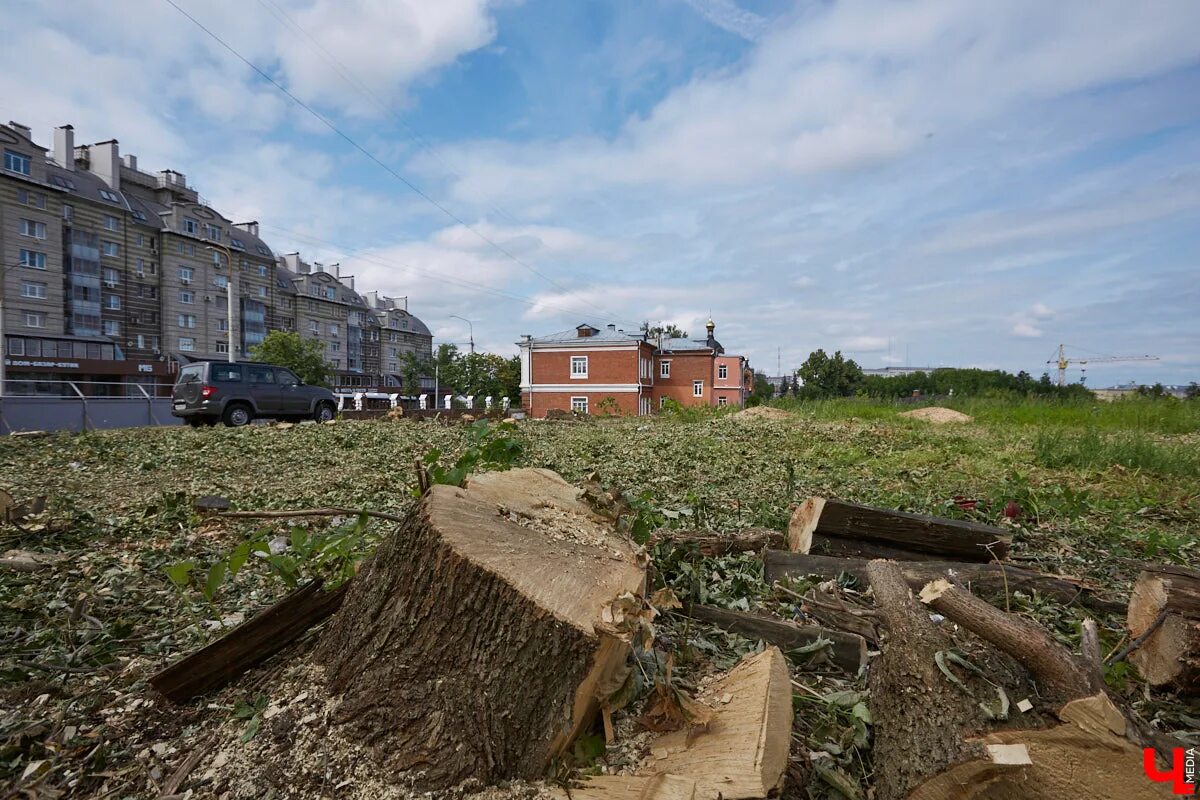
[(1063, 362)]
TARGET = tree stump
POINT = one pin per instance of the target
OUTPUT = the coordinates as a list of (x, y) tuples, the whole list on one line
[(1170, 653), (473, 642)]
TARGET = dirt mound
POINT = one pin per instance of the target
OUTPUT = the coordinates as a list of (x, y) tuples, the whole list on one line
[(937, 415), (763, 412)]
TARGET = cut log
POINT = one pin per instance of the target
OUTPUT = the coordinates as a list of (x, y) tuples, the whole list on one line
[(847, 650), (250, 643), (834, 527), (712, 543), (475, 639), (1168, 597), (930, 742), (991, 580), (741, 753)]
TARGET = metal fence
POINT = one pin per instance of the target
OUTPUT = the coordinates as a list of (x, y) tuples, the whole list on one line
[(67, 405)]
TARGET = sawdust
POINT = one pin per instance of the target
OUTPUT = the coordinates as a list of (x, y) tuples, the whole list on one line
[(761, 412), (937, 415)]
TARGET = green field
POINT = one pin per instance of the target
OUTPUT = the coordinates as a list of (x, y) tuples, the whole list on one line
[(1101, 489)]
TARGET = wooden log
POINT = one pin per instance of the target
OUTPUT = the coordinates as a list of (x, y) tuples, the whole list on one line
[(991, 580), (713, 543), (932, 744), (476, 638), (250, 643), (835, 527), (741, 753), (1165, 609), (847, 650)]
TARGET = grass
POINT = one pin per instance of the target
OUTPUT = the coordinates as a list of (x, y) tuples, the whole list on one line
[(1091, 449)]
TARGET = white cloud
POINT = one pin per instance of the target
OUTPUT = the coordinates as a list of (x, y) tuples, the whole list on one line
[(1025, 329), (729, 16), (865, 344), (1041, 311)]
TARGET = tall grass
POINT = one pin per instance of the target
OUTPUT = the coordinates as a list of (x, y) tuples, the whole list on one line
[(1090, 449), (1145, 415)]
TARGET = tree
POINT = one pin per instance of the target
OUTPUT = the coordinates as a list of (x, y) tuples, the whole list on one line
[(762, 391), (784, 387), (305, 357), (412, 369), (673, 331), (1193, 391), (826, 376)]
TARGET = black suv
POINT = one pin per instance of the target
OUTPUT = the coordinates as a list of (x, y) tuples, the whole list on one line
[(237, 392)]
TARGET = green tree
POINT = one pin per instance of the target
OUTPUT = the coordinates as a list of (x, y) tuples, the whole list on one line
[(673, 331), (412, 369), (826, 376), (305, 357), (762, 390), (784, 386)]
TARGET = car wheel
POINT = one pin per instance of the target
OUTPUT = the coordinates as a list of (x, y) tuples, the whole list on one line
[(324, 412), (237, 415)]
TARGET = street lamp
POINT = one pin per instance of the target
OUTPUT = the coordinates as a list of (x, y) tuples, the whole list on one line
[(469, 327), (231, 293)]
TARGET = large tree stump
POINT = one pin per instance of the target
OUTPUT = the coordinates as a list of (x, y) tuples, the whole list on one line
[(837, 528), (473, 642), (932, 744), (1165, 609)]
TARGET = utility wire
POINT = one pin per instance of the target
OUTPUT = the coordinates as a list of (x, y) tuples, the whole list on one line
[(329, 124)]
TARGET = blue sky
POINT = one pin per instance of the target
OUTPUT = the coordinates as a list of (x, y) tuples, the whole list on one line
[(952, 183)]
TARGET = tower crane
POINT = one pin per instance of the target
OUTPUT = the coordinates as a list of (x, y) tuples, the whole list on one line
[(1062, 362)]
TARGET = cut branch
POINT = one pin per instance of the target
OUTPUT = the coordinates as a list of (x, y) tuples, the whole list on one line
[(847, 650)]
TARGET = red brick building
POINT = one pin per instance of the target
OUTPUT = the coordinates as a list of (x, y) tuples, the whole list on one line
[(607, 370)]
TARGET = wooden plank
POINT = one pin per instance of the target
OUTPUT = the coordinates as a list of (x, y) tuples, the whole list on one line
[(847, 650), (994, 580), (250, 643), (818, 520)]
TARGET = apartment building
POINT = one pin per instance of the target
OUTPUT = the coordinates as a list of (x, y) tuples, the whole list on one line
[(607, 370), (112, 276)]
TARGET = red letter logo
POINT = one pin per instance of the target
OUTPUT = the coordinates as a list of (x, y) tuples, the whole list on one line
[(1176, 776)]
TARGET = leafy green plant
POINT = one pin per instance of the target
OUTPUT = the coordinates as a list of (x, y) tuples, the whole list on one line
[(489, 447)]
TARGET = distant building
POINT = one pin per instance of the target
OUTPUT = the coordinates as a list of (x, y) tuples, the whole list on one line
[(591, 369), (1131, 389), (894, 372)]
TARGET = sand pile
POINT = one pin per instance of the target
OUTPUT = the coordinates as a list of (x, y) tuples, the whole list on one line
[(764, 412), (937, 415)]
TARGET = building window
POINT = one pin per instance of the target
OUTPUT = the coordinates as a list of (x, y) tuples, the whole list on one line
[(17, 162), (35, 319), (148, 292), (262, 270), (664, 369), (33, 289), (110, 196), (221, 281), (216, 257), (141, 240), (722, 371), (187, 320), (187, 344), (335, 347), (28, 198), (112, 302), (314, 326), (68, 212), (579, 404), (579, 369), (111, 277), (697, 388), (662, 402), (222, 325), (236, 243), (35, 229), (222, 346), (186, 297), (112, 327), (262, 291), (721, 401), (333, 330), (32, 259), (141, 268), (111, 223), (189, 225), (147, 342), (186, 274), (16, 346), (112, 249), (212, 232)]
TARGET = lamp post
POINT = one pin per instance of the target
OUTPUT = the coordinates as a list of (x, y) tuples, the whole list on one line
[(230, 293), (470, 327)]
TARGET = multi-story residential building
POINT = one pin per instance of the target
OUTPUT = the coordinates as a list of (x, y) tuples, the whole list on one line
[(397, 334), (594, 370), (112, 276)]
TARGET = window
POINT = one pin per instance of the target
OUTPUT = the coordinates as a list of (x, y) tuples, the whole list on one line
[(186, 297), (579, 369), (35, 229), (17, 162), (147, 342), (141, 268), (141, 240), (221, 281), (187, 320), (314, 326), (222, 325), (697, 388), (112, 249), (112, 327), (16, 346), (34, 319), (262, 250), (111, 277), (68, 211), (335, 347), (111, 223), (260, 374), (262, 291), (721, 401), (285, 377), (189, 225), (64, 183), (262, 270), (216, 257), (186, 274), (212, 232), (236, 243), (28, 198), (140, 217), (34, 289), (187, 344), (664, 369), (662, 402), (222, 346), (392, 366), (32, 259), (722, 371), (148, 292), (579, 404), (110, 196), (333, 330), (112, 302), (330, 293)]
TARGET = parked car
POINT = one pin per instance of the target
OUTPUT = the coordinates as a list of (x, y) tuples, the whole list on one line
[(207, 392)]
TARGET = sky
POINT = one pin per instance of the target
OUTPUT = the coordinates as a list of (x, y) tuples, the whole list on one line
[(930, 182)]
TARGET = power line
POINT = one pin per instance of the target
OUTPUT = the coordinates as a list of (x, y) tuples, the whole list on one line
[(329, 124)]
